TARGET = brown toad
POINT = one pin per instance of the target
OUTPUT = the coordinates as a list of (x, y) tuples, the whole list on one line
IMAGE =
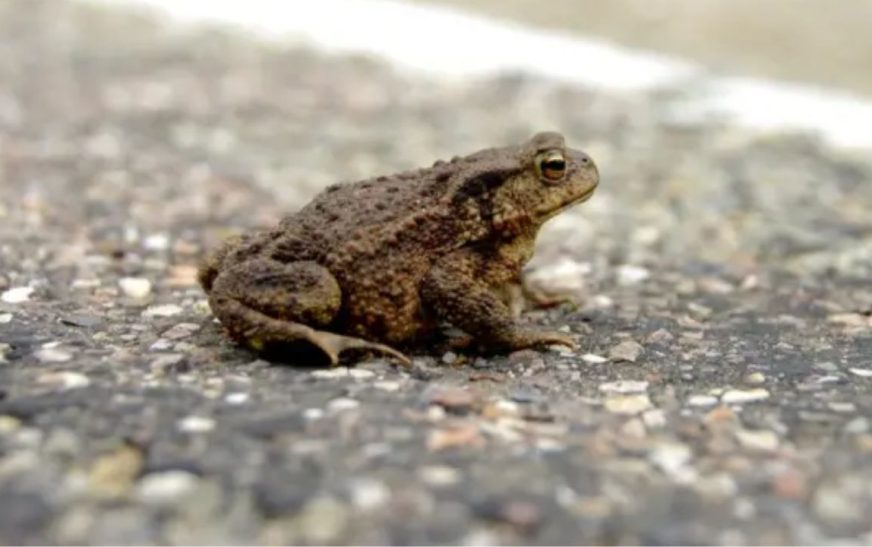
[(382, 262)]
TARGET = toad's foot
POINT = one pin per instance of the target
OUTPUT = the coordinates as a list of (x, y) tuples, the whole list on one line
[(334, 344)]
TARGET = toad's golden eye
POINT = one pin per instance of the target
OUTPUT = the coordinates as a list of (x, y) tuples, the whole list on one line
[(551, 165)]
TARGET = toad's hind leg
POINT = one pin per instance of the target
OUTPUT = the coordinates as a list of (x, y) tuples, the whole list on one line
[(266, 304)]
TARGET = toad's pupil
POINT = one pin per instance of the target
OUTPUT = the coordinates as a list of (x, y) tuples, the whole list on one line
[(555, 165)]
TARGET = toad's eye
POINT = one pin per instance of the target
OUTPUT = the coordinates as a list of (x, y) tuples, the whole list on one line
[(551, 165)]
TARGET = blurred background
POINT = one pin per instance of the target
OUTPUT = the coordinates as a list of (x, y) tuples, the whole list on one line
[(797, 40)]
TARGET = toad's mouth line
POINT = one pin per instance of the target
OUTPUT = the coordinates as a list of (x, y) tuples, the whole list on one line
[(580, 199)]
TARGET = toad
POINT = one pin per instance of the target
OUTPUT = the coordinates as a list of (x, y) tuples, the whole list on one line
[(383, 263)]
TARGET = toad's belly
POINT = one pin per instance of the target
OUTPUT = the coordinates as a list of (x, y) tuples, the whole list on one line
[(391, 319), (385, 307)]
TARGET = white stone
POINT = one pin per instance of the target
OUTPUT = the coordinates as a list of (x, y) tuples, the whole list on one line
[(862, 372), (449, 357), (64, 380), (330, 373), (5, 318), (439, 475), (17, 295), (196, 424), (755, 378), (360, 373), (654, 418), (162, 310), (166, 487), (156, 242), (632, 275), (593, 359), (387, 385), (628, 404), (313, 413), (857, 426), (367, 494), (702, 400), (343, 403), (624, 386), (237, 398), (671, 458), (628, 350), (845, 407), (739, 396), (53, 355), (761, 439), (135, 287)]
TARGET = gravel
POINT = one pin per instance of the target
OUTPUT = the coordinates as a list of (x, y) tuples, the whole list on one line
[(719, 278)]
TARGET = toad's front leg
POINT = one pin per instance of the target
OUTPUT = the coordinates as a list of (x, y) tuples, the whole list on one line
[(458, 290)]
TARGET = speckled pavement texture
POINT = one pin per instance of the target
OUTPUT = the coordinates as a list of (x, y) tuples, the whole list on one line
[(721, 394)]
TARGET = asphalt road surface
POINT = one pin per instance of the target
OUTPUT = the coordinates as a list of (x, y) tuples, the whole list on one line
[(722, 392)]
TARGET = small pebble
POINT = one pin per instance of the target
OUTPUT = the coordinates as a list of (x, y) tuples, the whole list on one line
[(17, 295), (5, 318), (367, 494), (593, 358), (654, 418), (455, 436), (322, 521), (453, 398), (182, 276), (135, 287), (632, 275), (8, 424), (165, 363), (64, 380), (156, 242), (182, 330), (360, 373), (702, 400), (161, 344), (761, 440), (827, 366), (53, 355), (624, 386), (670, 457), (627, 350), (313, 413), (857, 426), (755, 378), (113, 473), (660, 336), (439, 475), (844, 407), (634, 429), (165, 488), (330, 373), (628, 404), (237, 398), (738, 396), (163, 310), (196, 424), (449, 357), (862, 372), (342, 403), (387, 385)]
